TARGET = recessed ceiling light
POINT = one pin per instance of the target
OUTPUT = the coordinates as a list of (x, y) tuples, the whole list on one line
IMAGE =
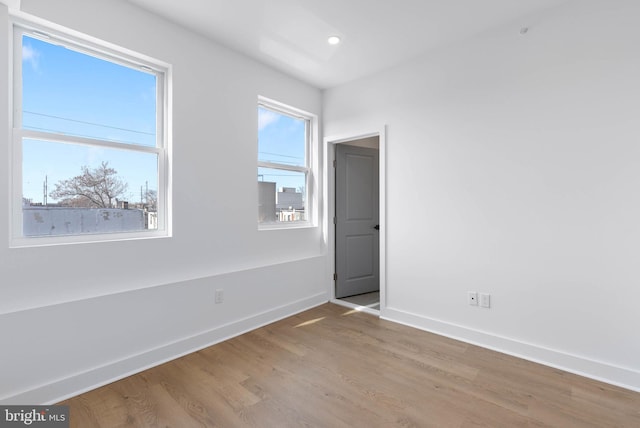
[(333, 40)]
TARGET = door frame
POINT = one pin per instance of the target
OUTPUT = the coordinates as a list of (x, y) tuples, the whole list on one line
[(329, 196)]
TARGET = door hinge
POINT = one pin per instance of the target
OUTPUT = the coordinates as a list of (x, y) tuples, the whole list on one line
[(335, 276), (334, 163), (335, 220)]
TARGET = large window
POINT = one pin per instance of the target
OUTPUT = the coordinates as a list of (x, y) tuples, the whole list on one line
[(90, 149), (284, 165)]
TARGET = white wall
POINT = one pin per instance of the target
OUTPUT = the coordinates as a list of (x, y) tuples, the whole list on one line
[(521, 158), (75, 316)]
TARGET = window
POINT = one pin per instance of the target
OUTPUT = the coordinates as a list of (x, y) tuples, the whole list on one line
[(90, 146), (284, 165)]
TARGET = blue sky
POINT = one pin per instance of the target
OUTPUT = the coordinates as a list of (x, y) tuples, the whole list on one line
[(72, 93), (68, 92), (281, 139)]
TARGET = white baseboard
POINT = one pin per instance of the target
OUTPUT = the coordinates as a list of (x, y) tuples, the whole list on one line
[(71, 386), (62, 389), (604, 372)]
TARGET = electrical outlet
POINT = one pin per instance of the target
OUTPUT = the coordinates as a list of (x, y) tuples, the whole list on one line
[(485, 300), (219, 296), (472, 297)]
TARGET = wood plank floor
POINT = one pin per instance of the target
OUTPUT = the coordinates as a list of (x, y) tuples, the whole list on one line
[(332, 367)]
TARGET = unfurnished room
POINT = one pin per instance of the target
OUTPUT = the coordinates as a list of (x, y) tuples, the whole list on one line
[(296, 213)]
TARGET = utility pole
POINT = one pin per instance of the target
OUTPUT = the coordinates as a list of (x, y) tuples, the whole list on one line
[(44, 190)]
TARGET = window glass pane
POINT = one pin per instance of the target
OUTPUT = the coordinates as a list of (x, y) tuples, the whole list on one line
[(281, 195), (281, 139), (71, 189), (72, 93)]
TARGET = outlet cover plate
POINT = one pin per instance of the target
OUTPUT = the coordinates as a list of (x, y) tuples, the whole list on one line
[(485, 300), (472, 298)]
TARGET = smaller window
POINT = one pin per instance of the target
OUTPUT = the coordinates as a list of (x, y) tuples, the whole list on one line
[(284, 164)]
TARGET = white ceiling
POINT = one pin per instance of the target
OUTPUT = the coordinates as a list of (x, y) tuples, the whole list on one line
[(291, 35)]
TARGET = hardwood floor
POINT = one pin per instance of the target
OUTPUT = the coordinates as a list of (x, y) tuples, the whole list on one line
[(332, 367)]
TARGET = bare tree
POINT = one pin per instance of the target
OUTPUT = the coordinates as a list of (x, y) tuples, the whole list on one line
[(94, 188), (151, 199)]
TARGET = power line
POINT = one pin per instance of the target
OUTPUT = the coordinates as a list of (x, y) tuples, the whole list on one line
[(87, 123), (283, 156)]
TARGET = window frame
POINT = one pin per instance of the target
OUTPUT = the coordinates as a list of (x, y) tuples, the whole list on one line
[(87, 45), (309, 169)]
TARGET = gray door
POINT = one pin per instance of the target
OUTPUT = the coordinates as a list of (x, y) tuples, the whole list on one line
[(357, 218)]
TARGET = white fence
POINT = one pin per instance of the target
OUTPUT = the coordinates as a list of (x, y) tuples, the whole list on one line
[(46, 221)]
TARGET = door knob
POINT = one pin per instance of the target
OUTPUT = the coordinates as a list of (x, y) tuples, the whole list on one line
[(376, 227)]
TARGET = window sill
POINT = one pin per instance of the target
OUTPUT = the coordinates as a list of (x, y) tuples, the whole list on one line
[(47, 241), (286, 226)]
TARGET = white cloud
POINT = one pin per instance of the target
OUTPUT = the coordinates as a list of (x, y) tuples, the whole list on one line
[(266, 118), (31, 56)]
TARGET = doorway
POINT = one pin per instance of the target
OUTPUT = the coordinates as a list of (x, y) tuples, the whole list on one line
[(357, 222)]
